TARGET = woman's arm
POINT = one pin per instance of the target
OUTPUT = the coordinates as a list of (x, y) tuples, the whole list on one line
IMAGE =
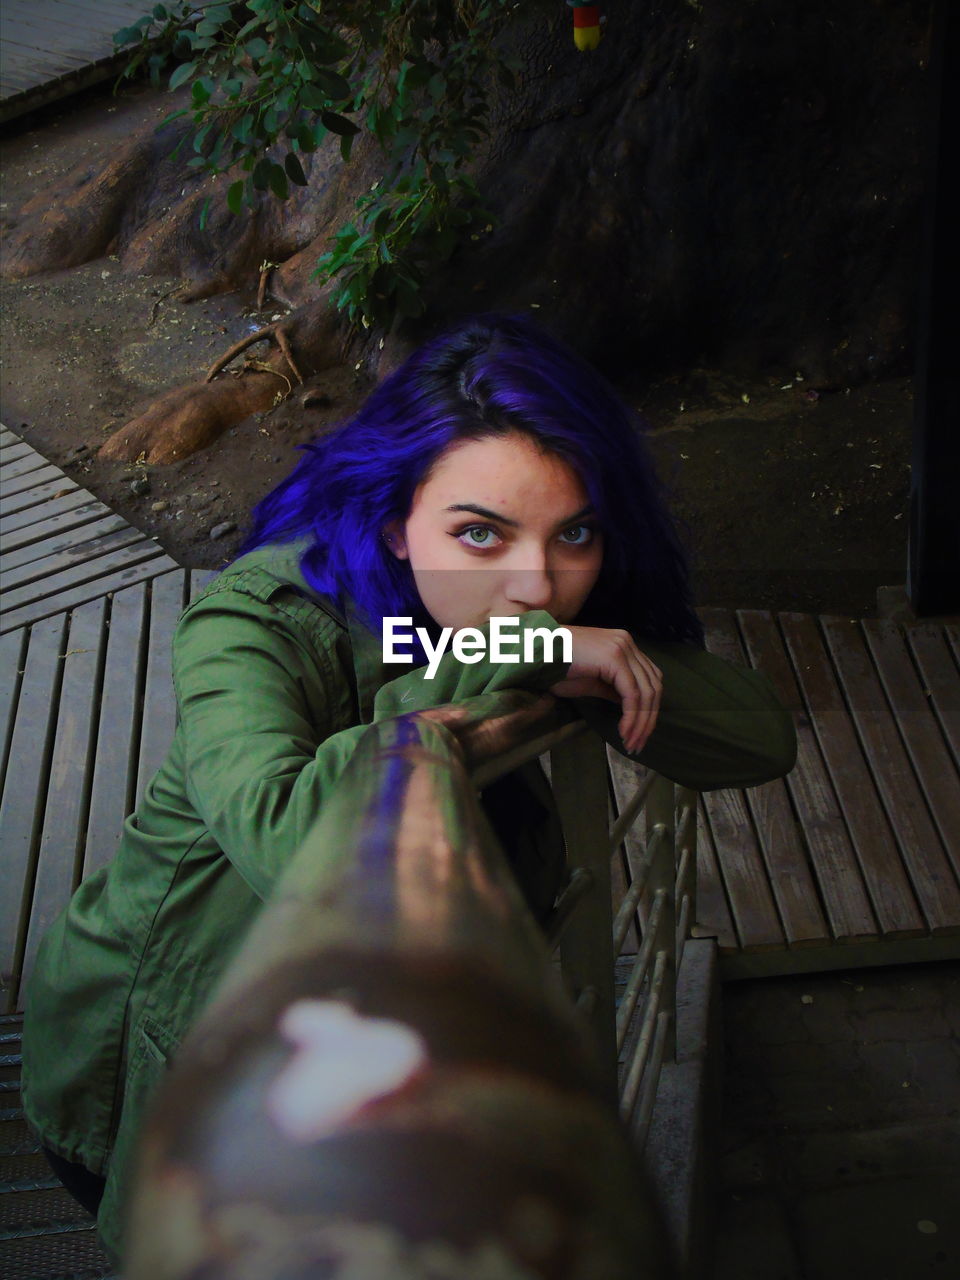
[(719, 724), (259, 694)]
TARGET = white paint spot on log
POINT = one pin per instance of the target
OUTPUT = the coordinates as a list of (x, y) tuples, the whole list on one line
[(342, 1061)]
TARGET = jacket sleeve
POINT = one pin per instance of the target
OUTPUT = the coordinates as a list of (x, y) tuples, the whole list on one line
[(720, 724), (258, 698)]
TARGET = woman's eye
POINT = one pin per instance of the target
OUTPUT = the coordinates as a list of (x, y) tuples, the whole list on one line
[(577, 536), (478, 535)]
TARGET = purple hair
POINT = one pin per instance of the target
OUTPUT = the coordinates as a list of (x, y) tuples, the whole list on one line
[(487, 376)]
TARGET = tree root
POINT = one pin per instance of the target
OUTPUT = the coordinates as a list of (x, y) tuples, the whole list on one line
[(190, 417), (273, 332), (266, 271)]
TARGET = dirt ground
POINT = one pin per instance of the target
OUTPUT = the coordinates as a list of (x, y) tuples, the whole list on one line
[(793, 496)]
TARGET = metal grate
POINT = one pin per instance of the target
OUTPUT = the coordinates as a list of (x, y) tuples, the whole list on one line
[(44, 1233)]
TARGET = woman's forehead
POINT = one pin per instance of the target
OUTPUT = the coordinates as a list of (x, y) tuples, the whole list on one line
[(511, 462)]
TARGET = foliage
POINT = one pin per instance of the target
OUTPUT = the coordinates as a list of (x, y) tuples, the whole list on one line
[(271, 79)]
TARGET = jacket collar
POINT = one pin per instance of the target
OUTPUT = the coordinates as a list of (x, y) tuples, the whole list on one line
[(282, 560)]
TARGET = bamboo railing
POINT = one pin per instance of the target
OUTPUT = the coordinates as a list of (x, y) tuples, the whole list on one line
[(391, 1081)]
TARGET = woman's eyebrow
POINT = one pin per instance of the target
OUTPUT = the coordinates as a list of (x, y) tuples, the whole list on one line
[(493, 515), (577, 515), (483, 511)]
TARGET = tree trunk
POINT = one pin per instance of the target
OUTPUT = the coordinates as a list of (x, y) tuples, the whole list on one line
[(717, 182)]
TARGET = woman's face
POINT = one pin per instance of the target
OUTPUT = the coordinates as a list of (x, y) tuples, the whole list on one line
[(498, 528)]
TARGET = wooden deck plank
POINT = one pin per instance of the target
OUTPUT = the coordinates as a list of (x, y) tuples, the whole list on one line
[(27, 508), (24, 786), (831, 853), (781, 844), (713, 912), (747, 885), (883, 872), (13, 648), (51, 48), (86, 582), (14, 528), (118, 742), (92, 549), (920, 731), (200, 579), (18, 461), (924, 858), (931, 647), (159, 705), (747, 888), (21, 491), (28, 29), (88, 12), (70, 543), (71, 770), (78, 508), (82, 20), (20, 48), (13, 451)]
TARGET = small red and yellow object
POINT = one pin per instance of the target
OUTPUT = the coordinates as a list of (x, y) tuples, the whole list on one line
[(586, 26)]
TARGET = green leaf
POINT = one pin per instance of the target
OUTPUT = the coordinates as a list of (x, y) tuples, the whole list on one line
[(200, 93), (235, 196), (200, 137), (160, 12), (257, 48), (278, 182), (261, 173), (246, 29), (335, 86), (339, 124), (382, 222), (183, 46), (294, 170), (182, 74), (313, 98), (204, 214), (346, 146), (243, 129), (302, 135)]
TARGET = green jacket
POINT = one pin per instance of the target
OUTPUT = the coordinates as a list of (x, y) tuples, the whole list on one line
[(274, 687)]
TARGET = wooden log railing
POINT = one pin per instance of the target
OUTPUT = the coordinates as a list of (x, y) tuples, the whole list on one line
[(391, 1081)]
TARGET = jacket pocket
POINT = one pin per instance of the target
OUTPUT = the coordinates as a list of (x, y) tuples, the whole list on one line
[(154, 1043), (152, 1048)]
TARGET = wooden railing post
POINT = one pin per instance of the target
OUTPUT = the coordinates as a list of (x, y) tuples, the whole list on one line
[(663, 880), (389, 1073), (579, 779)]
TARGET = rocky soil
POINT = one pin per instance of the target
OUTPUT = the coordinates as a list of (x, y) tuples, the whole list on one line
[(794, 495)]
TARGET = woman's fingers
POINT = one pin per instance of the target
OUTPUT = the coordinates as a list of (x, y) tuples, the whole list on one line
[(639, 683), (612, 663)]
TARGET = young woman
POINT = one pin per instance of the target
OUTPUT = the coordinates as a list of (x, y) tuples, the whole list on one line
[(493, 475)]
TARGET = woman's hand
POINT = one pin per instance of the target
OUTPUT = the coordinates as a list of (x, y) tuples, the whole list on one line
[(608, 664)]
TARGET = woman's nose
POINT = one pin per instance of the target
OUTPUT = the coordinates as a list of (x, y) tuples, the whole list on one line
[(530, 587)]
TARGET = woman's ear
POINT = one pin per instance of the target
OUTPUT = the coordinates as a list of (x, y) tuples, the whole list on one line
[(396, 542)]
